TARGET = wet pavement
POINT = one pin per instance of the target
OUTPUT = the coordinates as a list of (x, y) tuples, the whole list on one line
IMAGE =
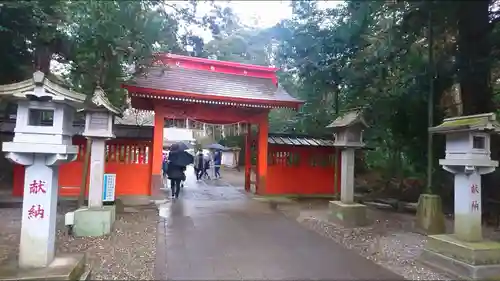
[(214, 231)]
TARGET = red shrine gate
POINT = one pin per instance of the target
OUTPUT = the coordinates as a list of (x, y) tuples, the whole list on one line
[(210, 91)]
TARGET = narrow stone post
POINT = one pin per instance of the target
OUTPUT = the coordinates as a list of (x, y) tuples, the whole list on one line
[(348, 137), (97, 220), (468, 207), (38, 229), (97, 162), (347, 176)]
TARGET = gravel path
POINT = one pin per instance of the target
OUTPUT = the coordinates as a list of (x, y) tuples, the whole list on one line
[(389, 241), (128, 253)]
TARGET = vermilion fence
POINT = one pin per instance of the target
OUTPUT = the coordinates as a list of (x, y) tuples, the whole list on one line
[(302, 170), (128, 159)]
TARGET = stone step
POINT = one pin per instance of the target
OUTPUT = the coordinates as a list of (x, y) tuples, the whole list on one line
[(86, 275)]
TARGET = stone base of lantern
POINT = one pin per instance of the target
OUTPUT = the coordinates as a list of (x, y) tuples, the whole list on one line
[(430, 217), (465, 260), (348, 215), (94, 221), (64, 267)]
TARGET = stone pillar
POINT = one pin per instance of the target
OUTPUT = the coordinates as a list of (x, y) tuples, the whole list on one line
[(347, 176), (38, 230), (97, 162), (346, 212), (468, 207), (96, 220)]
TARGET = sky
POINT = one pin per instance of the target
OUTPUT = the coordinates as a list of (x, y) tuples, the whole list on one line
[(268, 12), (257, 13)]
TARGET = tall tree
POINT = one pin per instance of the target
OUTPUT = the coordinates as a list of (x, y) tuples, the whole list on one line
[(374, 55)]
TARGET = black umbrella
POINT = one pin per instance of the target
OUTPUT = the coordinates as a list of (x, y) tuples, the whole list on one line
[(180, 158), (183, 145), (216, 146)]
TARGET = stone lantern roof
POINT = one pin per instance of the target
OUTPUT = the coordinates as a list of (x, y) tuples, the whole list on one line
[(42, 88), (349, 119), (479, 122), (100, 102)]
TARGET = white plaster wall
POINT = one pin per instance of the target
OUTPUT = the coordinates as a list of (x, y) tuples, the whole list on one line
[(228, 159), (178, 134)]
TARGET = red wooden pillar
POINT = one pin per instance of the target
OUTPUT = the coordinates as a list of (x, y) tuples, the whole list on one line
[(262, 146), (248, 156), (157, 143)]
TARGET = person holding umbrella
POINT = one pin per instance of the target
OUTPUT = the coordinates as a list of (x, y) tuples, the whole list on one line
[(198, 165), (217, 163), (177, 161), (217, 157), (184, 145)]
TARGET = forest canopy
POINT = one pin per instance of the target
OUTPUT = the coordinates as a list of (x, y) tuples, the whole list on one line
[(370, 54)]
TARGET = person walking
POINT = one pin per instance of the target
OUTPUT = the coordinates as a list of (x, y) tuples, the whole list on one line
[(217, 163), (175, 172), (164, 170), (206, 166), (198, 165)]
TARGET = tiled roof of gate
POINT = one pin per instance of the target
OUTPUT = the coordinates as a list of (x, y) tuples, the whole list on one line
[(298, 140), (209, 83)]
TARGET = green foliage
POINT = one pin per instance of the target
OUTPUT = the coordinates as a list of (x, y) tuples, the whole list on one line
[(109, 36), (370, 54), (373, 55), (100, 42)]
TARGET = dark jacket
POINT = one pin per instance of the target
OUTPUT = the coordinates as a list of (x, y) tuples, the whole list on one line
[(206, 163), (164, 166), (217, 158), (175, 172), (198, 161)]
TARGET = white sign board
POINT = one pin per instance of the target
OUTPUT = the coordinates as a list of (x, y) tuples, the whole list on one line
[(108, 190)]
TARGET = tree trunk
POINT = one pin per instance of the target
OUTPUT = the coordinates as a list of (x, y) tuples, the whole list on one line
[(43, 56), (474, 49)]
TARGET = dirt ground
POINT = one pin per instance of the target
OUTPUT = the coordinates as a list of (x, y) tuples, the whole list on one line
[(390, 241), (128, 253)]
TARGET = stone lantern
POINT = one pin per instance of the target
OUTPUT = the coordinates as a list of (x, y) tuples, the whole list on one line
[(99, 116), (97, 220), (465, 253), (348, 132), (42, 141)]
